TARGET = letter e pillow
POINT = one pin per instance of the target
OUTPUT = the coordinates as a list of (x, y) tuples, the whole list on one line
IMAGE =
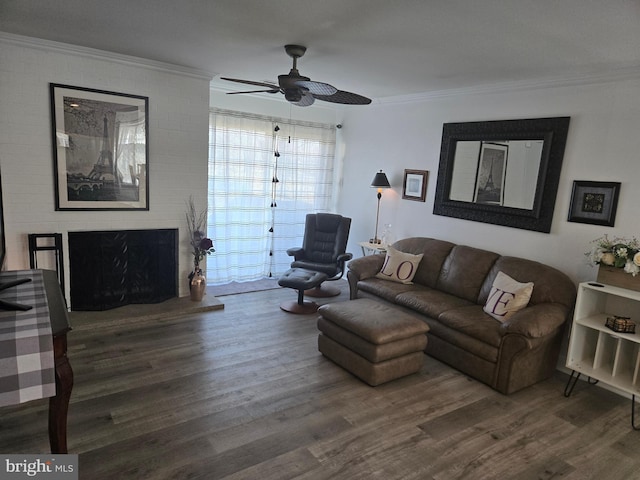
[(507, 297)]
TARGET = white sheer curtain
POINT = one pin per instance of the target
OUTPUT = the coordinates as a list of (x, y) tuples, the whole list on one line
[(246, 177)]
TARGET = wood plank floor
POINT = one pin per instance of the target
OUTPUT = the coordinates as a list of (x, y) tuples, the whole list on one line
[(242, 393)]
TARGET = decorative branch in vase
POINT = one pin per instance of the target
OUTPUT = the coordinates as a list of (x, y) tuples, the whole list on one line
[(201, 246)]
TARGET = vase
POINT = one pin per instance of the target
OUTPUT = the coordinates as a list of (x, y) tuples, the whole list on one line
[(387, 235), (196, 268), (617, 277), (197, 285)]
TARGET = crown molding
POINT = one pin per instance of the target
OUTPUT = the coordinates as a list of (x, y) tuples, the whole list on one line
[(49, 45), (609, 76)]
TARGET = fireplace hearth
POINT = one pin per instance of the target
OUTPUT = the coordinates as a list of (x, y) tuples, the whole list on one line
[(109, 269)]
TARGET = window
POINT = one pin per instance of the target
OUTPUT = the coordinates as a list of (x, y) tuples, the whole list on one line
[(258, 200)]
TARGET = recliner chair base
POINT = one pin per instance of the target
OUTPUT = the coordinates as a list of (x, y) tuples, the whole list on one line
[(304, 309)]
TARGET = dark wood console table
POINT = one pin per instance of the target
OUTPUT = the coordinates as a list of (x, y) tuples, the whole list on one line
[(51, 375)]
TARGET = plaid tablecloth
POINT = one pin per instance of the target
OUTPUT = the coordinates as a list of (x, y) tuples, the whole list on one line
[(27, 370)]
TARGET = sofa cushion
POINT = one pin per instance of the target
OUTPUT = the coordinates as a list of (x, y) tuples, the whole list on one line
[(464, 272), (507, 296), (551, 285), (435, 254), (399, 266), (429, 301), (473, 321), (463, 341), (384, 288)]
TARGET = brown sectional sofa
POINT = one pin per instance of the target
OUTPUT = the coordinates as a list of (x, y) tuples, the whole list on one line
[(450, 288)]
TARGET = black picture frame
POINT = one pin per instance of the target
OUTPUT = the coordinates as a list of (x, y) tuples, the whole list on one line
[(100, 148), (552, 131), (594, 203), (414, 185)]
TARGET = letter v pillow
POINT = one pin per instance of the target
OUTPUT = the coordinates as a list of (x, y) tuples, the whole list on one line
[(507, 297), (399, 266)]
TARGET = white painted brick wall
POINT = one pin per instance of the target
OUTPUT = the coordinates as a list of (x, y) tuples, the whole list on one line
[(178, 136)]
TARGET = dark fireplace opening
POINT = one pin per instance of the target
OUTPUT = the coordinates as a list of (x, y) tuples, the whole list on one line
[(109, 269)]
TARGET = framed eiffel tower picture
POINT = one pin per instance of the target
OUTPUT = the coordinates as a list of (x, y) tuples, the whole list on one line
[(100, 149), (490, 176)]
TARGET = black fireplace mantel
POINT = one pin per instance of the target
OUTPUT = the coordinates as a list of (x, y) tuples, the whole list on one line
[(113, 268)]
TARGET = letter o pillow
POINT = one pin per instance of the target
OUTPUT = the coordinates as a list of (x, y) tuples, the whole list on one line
[(399, 266)]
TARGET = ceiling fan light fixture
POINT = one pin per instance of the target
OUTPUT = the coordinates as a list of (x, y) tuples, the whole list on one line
[(305, 100), (300, 90), (291, 80), (292, 94)]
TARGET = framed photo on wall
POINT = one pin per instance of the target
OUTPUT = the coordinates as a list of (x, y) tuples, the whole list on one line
[(414, 185), (490, 177), (100, 149), (594, 202)]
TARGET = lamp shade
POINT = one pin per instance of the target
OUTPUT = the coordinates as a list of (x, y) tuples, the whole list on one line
[(380, 180)]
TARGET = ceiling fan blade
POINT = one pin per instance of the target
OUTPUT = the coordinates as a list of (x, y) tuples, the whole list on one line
[(251, 82), (317, 88), (300, 90), (273, 90), (306, 100), (346, 98)]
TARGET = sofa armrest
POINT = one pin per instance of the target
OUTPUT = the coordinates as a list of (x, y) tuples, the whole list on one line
[(537, 321), (366, 267), (361, 268)]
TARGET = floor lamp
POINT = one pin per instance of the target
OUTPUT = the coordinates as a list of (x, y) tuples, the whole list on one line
[(380, 181)]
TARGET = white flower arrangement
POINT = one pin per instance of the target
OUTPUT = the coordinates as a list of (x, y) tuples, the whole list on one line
[(617, 252)]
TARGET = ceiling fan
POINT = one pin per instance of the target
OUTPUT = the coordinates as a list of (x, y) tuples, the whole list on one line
[(299, 90)]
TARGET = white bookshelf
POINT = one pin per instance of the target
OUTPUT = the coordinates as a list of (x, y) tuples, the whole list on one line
[(597, 351)]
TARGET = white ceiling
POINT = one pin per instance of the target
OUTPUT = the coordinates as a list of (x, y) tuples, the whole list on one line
[(377, 48)]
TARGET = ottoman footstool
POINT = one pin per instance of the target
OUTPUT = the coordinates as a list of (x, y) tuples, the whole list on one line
[(375, 342), (301, 279)]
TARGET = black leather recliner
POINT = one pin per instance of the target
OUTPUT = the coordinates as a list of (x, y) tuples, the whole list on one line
[(323, 249)]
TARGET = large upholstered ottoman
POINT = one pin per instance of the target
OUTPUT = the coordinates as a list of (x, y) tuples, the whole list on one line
[(375, 342)]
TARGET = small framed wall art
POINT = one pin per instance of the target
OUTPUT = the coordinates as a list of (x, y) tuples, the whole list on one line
[(100, 149), (594, 202), (414, 186)]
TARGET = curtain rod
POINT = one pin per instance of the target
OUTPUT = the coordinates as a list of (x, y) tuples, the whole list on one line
[(284, 121)]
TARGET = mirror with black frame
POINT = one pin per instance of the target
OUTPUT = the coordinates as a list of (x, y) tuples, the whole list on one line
[(504, 172)]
